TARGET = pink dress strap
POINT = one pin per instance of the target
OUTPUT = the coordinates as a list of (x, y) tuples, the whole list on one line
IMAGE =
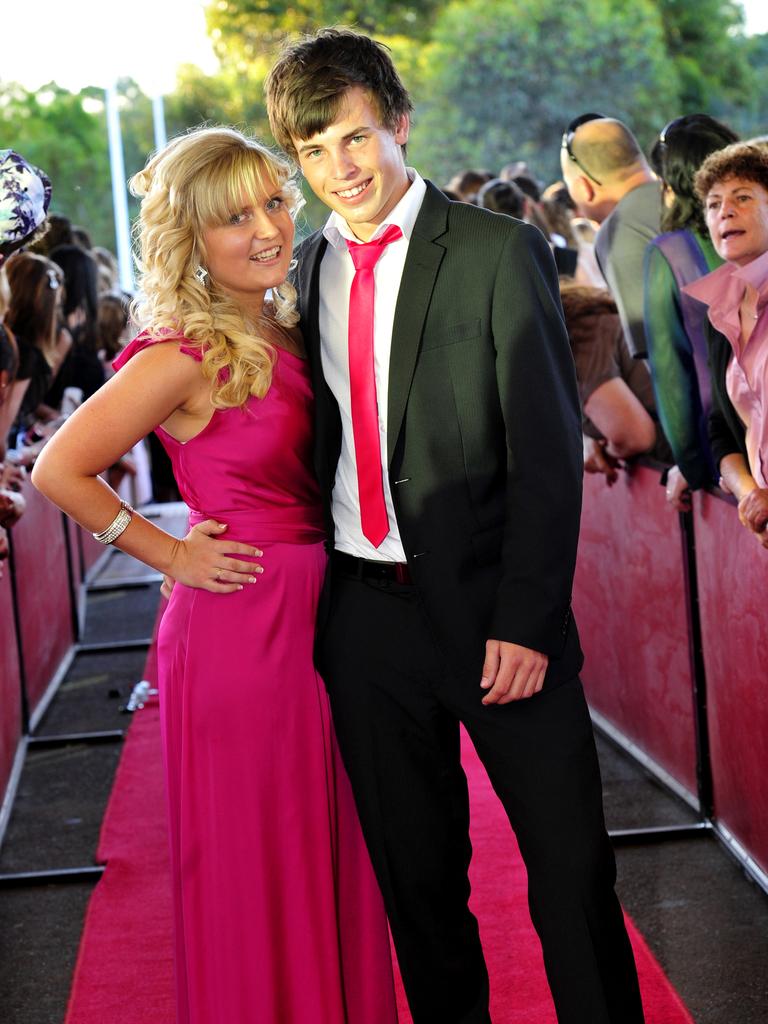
[(145, 340)]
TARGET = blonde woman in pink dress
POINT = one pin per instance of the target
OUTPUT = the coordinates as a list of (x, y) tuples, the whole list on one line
[(277, 916)]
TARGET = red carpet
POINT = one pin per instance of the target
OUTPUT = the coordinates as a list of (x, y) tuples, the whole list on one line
[(123, 973)]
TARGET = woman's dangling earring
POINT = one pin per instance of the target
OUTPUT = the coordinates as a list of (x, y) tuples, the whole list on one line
[(200, 274)]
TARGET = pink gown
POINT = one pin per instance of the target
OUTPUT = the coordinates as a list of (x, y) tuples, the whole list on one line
[(278, 919)]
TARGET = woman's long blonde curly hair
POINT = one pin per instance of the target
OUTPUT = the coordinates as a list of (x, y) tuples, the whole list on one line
[(198, 181)]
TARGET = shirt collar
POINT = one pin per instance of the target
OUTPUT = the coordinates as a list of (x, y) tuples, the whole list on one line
[(731, 278), (756, 274), (404, 215), (709, 288), (722, 291)]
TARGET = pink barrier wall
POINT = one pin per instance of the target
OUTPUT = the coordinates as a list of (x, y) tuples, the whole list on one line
[(733, 601), (78, 562), (630, 605), (91, 549), (42, 582), (10, 693)]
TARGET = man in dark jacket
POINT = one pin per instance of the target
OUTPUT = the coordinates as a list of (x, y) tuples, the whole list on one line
[(449, 454)]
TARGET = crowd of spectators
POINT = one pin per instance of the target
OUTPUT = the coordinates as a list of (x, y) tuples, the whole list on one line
[(663, 265), (63, 318)]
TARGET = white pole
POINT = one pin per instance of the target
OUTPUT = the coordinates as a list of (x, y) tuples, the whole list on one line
[(158, 121), (119, 194)]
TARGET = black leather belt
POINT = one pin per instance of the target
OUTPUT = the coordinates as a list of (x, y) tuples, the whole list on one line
[(366, 569)]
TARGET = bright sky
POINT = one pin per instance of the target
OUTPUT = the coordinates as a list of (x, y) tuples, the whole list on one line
[(757, 15), (88, 42)]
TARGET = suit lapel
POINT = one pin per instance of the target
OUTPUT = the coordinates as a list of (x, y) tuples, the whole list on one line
[(327, 424), (419, 275), (309, 257)]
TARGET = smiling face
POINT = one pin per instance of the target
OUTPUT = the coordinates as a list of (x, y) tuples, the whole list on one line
[(251, 251), (356, 165), (737, 217)]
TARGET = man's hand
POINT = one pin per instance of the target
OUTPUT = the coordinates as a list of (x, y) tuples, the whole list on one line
[(598, 460), (511, 672), (677, 492)]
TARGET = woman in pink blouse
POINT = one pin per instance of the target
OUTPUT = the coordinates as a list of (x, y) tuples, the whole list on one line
[(733, 186)]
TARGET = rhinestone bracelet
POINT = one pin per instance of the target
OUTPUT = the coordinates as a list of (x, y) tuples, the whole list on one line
[(117, 525)]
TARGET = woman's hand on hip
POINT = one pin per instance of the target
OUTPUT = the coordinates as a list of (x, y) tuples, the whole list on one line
[(204, 561)]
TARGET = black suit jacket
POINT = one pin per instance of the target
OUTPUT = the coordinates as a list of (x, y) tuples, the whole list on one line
[(483, 428)]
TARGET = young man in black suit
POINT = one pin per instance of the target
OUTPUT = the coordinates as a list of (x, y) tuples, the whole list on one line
[(449, 453)]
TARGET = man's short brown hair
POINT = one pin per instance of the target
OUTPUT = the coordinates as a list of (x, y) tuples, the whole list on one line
[(306, 87), (739, 160)]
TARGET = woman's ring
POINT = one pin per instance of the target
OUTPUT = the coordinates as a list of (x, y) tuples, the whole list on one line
[(218, 575)]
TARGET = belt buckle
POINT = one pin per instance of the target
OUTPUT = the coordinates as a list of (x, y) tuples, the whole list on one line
[(402, 573)]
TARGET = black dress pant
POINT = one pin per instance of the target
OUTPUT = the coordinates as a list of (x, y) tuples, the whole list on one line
[(397, 705)]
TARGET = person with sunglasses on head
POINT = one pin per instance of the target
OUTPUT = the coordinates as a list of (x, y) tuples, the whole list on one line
[(675, 323), (611, 182), (448, 448)]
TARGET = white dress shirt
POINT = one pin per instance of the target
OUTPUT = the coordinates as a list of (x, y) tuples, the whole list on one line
[(336, 273)]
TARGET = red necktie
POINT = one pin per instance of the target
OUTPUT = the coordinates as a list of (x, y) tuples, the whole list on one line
[(362, 383)]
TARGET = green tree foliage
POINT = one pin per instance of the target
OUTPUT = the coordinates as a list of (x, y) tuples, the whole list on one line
[(704, 42), (756, 106), (64, 134), (243, 30), (492, 80), (231, 97), (747, 112), (502, 78)]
